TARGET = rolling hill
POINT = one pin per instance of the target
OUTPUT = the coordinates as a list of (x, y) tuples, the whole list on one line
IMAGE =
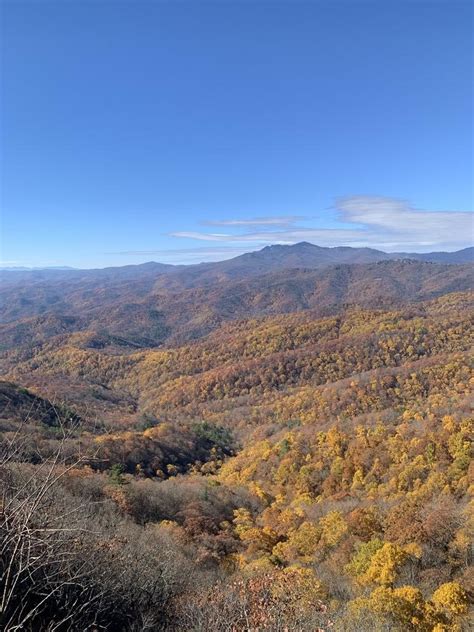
[(150, 312)]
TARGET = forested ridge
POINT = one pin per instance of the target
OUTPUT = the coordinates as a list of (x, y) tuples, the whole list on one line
[(174, 307), (292, 471)]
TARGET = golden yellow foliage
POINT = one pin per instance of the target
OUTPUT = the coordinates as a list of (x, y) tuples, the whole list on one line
[(451, 599)]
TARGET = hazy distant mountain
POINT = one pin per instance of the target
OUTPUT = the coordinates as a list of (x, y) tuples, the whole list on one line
[(268, 259), (27, 269), (466, 255), (282, 257), (111, 274)]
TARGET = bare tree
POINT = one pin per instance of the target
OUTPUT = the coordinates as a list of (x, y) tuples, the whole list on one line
[(42, 539), (69, 563)]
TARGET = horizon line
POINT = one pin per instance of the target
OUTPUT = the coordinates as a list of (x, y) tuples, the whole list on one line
[(190, 251)]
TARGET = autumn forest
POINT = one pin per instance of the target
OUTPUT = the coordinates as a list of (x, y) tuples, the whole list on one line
[(303, 469)]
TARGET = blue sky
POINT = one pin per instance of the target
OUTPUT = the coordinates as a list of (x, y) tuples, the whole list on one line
[(188, 131)]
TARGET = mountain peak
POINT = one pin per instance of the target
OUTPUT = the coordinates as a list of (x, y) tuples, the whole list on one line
[(307, 244)]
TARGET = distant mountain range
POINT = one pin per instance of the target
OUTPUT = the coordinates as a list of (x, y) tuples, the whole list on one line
[(301, 255), (27, 269), (466, 255), (268, 259), (155, 304)]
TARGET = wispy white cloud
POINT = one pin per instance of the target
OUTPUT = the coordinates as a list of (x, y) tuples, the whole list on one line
[(398, 218), (379, 222), (376, 221)]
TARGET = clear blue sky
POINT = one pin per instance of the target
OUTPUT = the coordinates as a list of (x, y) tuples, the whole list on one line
[(182, 131)]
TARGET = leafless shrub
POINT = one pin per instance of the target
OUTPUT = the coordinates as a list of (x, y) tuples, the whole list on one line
[(68, 565)]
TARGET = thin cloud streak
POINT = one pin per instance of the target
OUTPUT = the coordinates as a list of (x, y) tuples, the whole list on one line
[(257, 221), (190, 255), (292, 235), (204, 236)]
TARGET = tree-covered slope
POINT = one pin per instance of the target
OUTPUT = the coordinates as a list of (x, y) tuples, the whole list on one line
[(303, 472)]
